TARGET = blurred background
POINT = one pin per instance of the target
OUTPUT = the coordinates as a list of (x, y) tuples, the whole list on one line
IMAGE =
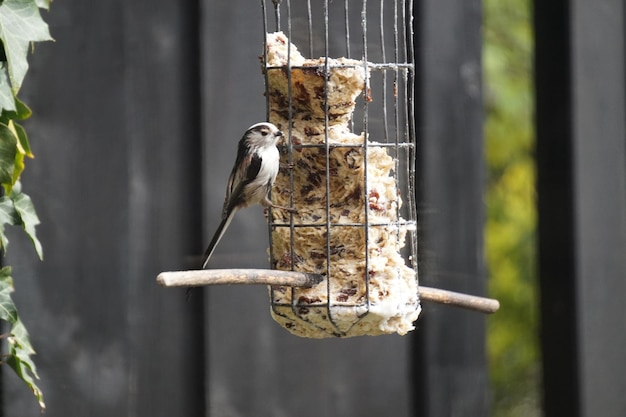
[(511, 227), (521, 193)]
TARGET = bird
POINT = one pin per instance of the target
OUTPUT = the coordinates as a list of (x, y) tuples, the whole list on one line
[(251, 178)]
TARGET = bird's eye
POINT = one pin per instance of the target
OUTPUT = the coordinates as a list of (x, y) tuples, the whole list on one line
[(264, 132)]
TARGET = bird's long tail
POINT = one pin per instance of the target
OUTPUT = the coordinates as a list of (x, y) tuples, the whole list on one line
[(216, 238)]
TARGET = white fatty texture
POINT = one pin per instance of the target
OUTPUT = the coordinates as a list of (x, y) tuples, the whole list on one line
[(356, 300)]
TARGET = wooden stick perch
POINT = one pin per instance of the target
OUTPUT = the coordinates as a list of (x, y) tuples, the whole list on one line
[(471, 302), (198, 278)]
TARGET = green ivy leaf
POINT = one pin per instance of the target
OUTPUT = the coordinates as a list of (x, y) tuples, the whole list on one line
[(8, 312), (13, 145), (43, 4), (7, 100), (17, 209), (20, 352), (22, 141), (20, 25), (26, 211), (8, 149), (8, 215), (20, 348), (20, 111), (23, 150)]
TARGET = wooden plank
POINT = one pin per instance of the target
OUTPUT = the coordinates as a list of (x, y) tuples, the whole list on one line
[(256, 367), (555, 201), (581, 151), (162, 123), (599, 143), (113, 133), (449, 363)]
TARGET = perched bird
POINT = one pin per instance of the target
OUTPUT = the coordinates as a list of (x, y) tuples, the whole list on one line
[(252, 177)]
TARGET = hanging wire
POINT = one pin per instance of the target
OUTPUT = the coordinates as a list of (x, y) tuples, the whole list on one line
[(347, 27), (276, 13), (310, 25)]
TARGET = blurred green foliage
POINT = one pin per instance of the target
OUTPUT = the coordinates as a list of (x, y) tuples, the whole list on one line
[(510, 234)]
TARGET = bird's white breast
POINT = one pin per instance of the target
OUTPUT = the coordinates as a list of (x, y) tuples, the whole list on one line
[(270, 160)]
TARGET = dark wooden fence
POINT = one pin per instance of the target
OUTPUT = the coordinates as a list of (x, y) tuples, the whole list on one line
[(116, 183), (137, 109), (581, 164)]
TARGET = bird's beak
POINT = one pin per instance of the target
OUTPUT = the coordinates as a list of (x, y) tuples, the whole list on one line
[(279, 133)]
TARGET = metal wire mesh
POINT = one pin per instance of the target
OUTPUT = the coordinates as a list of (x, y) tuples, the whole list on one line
[(384, 113)]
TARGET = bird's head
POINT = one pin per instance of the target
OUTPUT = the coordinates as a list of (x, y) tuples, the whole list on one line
[(263, 134)]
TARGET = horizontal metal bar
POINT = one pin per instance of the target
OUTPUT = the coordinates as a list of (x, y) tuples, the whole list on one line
[(397, 224), (323, 67), (356, 145), (434, 295)]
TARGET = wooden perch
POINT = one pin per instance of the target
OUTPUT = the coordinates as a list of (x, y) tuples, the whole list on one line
[(471, 302), (198, 278)]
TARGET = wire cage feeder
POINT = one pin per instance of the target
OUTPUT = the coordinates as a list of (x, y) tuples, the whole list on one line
[(349, 165), (339, 82)]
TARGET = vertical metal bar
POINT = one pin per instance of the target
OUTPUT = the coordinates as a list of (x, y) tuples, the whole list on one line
[(266, 76), (327, 149), (365, 151), (399, 87), (347, 24), (277, 13), (310, 20), (290, 149), (404, 38), (384, 71), (410, 101), (267, 117), (290, 138), (348, 54)]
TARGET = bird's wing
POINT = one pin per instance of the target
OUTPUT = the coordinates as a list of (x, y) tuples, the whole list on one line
[(253, 168), (245, 171)]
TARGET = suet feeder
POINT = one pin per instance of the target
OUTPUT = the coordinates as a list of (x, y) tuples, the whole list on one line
[(346, 263)]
